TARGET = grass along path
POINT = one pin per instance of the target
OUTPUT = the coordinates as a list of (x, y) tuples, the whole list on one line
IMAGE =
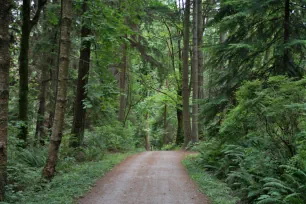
[(217, 191), (71, 182)]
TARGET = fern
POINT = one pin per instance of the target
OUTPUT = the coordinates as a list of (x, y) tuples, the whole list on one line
[(268, 200), (33, 157), (294, 198), (295, 171), (278, 185)]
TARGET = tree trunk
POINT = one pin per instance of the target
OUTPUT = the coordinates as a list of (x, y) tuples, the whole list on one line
[(200, 50), (40, 128), (185, 88), (4, 90), (179, 116), (222, 37), (53, 32), (166, 141), (27, 25), (57, 128), (179, 106), (46, 90), (286, 38), (46, 61), (201, 58), (147, 136), (23, 69), (195, 70), (84, 63), (122, 82), (53, 83)]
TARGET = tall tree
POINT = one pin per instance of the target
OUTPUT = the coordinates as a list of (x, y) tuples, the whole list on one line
[(166, 139), (286, 57), (195, 72), (27, 25), (179, 115), (201, 19), (178, 77), (4, 90), (185, 82), (57, 128), (47, 65), (83, 72), (147, 133), (179, 106), (40, 129), (122, 81)]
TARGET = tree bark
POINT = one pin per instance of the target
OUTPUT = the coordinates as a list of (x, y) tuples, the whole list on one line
[(195, 70), (4, 90), (53, 72), (122, 82), (46, 61), (49, 66), (57, 128), (147, 136), (166, 139), (40, 128), (44, 121), (286, 38), (179, 106), (23, 69), (179, 116), (83, 72), (200, 50), (27, 25), (185, 84), (201, 58)]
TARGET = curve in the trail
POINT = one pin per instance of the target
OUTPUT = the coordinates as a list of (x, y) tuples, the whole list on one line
[(147, 178)]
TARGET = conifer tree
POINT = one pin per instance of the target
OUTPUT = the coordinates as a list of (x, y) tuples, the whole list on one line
[(79, 116), (57, 128), (4, 90), (185, 82)]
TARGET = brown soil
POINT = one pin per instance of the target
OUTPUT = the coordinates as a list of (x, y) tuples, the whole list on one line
[(147, 178)]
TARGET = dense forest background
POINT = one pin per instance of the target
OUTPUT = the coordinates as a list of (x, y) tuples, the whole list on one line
[(85, 78)]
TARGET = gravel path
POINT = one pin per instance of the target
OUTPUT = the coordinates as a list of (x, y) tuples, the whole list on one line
[(147, 178)]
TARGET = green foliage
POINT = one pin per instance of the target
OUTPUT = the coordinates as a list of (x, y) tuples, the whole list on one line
[(72, 181), (94, 148), (259, 149), (271, 109), (289, 188), (76, 171), (32, 157), (254, 123), (170, 147), (114, 137), (253, 48), (217, 191)]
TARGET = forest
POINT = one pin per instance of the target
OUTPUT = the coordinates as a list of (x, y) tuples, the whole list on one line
[(86, 83)]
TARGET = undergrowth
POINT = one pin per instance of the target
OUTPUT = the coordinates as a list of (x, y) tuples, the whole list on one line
[(170, 147), (72, 181), (258, 147), (215, 190)]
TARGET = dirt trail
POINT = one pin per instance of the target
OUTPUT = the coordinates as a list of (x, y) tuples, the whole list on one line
[(147, 178)]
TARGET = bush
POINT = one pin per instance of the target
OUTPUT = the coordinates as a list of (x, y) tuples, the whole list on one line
[(32, 157), (217, 191), (260, 146), (169, 147), (114, 137)]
